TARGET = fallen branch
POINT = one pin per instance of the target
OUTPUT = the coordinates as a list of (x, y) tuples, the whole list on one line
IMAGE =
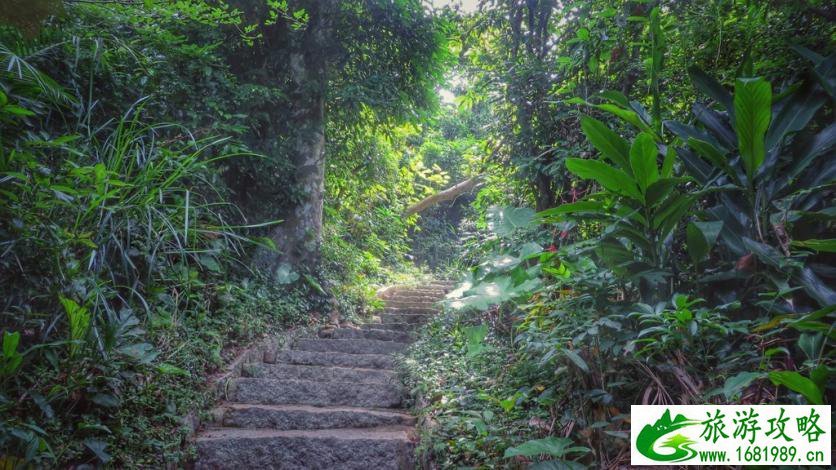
[(446, 195)]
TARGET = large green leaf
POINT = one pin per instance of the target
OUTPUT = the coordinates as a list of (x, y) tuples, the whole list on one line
[(734, 385), (643, 155), (667, 163), (10, 341), (701, 237), (576, 359), (819, 145), (610, 178), (570, 208), (474, 336), (671, 212), (795, 114), (659, 190), (715, 156), (504, 221), (611, 145), (717, 124), (752, 108), (626, 115), (828, 246), (711, 87), (798, 383)]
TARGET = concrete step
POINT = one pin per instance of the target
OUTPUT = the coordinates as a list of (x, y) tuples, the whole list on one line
[(394, 326), (320, 373), (399, 318), (314, 358), (414, 298), (430, 291), (398, 303), (315, 393), (422, 311), (349, 346), (347, 449), (426, 294), (302, 417), (372, 333)]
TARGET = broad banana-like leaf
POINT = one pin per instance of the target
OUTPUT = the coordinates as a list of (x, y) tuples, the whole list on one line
[(696, 166), (626, 115), (717, 124), (815, 287), (641, 112), (611, 145), (753, 110), (685, 132), (661, 189), (819, 145), (711, 87), (610, 178), (503, 221), (555, 213), (643, 155), (795, 114), (701, 237), (616, 97), (826, 75), (667, 163), (671, 213), (715, 156)]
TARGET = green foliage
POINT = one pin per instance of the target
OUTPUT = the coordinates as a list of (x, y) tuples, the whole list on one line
[(120, 250), (763, 186), (688, 242), (752, 100)]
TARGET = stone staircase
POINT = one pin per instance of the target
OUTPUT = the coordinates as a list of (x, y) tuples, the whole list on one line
[(331, 402)]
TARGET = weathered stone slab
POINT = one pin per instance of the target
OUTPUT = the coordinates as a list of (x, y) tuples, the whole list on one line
[(345, 449)]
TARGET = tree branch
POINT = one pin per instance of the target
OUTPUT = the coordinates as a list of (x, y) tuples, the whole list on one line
[(446, 195)]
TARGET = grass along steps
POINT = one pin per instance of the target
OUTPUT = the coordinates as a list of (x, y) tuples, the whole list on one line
[(327, 402)]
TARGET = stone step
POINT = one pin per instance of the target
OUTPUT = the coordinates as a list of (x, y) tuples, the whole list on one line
[(349, 346), (395, 326), (426, 294), (397, 303), (422, 297), (314, 358), (372, 333), (429, 291), (347, 449), (408, 318), (320, 373), (422, 311), (315, 393), (286, 417)]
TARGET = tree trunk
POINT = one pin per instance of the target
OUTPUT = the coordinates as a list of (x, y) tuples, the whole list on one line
[(446, 195), (298, 237)]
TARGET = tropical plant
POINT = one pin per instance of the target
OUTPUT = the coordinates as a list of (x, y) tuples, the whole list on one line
[(770, 161), (639, 207)]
